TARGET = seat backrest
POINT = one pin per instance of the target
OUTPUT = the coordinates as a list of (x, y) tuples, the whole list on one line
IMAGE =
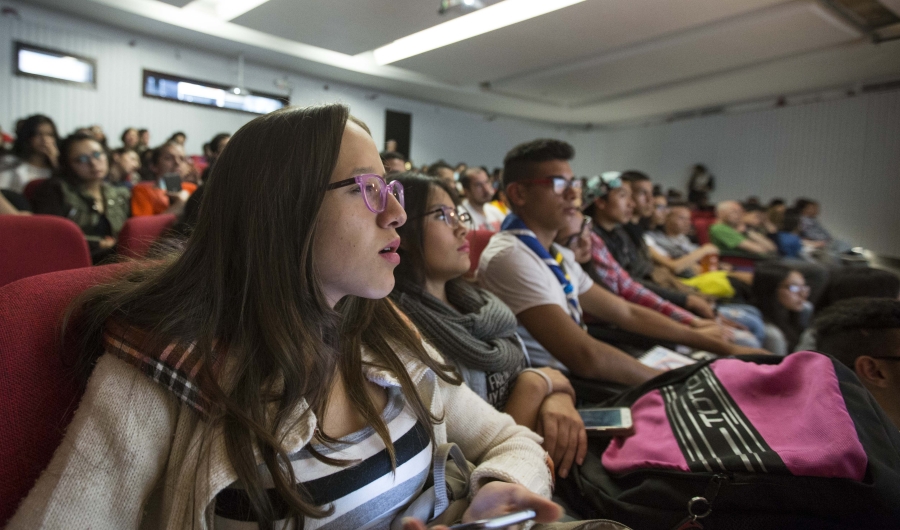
[(139, 233), (38, 395), (37, 244), (31, 189), (701, 229), (478, 240)]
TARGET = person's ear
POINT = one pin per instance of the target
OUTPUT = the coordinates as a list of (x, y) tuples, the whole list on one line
[(515, 194), (869, 372)]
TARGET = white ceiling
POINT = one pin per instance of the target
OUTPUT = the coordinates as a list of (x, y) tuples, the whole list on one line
[(600, 61)]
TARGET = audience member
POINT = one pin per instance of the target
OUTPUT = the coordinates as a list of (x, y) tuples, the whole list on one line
[(479, 192), (810, 227), (473, 329), (671, 247), (864, 334), (443, 171), (700, 185), (781, 295), (775, 211), (394, 162), (611, 211), (787, 238), (125, 168), (730, 234), (81, 194), (851, 282), (151, 196), (34, 154), (130, 138), (522, 261), (143, 141), (288, 371), (178, 137), (216, 145)]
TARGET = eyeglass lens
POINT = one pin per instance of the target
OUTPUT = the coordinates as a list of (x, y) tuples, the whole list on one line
[(560, 185), (376, 194), (84, 159)]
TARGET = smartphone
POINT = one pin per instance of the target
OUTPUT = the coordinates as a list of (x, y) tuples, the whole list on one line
[(172, 181), (607, 421), (498, 522)]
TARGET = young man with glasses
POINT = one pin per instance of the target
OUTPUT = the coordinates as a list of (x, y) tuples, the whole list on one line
[(546, 288), (864, 334)]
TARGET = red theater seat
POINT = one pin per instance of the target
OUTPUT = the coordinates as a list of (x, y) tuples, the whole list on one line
[(139, 233), (38, 395), (31, 188), (701, 228), (36, 244), (478, 240)]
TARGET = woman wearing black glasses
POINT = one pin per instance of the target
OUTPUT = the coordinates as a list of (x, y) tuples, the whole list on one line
[(781, 294), (79, 192), (471, 327)]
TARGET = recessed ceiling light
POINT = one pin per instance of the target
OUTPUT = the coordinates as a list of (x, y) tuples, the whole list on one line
[(225, 9), (465, 27)]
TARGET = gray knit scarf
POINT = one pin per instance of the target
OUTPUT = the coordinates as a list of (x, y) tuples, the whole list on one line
[(480, 336)]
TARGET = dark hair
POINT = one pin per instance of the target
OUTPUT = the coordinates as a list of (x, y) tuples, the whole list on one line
[(851, 282), (177, 133), (632, 175), (65, 170), (126, 131), (802, 203), (433, 168), (157, 152), (767, 278), (392, 155), (123, 150), (216, 140), (26, 129), (791, 220), (466, 178), (776, 202), (142, 131), (859, 326), (417, 190), (518, 161), (247, 285)]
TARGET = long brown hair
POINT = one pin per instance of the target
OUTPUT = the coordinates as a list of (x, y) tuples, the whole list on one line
[(246, 283)]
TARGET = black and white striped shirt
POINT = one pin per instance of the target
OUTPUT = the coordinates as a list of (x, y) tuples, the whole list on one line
[(366, 494)]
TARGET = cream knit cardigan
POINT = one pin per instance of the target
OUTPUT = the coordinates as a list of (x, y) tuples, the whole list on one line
[(132, 456)]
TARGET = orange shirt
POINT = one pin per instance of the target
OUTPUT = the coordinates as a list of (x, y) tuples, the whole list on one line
[(148, 199)]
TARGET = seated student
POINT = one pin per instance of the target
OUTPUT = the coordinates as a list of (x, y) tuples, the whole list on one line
[(478, 190), (616, 221), (125, 168), (605, 197), (283, 363), (788, 240), (216, 145), (851, 282), (546, 289), (781, 295), (80, 193), (471, 328), (150, 197), (394, 162), (730, 234), (864, 334), (35, 153), (131, 138)]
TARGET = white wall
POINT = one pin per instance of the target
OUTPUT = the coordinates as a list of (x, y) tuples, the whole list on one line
[(844, 153), (117, 103)]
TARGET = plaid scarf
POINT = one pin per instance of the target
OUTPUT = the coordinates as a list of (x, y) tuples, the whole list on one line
[(177, 367), (553, 259)]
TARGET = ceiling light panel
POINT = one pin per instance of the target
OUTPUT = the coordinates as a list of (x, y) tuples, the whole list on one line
[(465, 27)]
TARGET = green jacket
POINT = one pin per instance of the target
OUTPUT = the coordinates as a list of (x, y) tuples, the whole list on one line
[(59, 197)]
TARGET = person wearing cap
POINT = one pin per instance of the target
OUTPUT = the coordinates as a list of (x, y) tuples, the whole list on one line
[(549, 292)]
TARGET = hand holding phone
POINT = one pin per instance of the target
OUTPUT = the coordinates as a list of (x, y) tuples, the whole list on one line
[(607, 421), (502, 521)]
